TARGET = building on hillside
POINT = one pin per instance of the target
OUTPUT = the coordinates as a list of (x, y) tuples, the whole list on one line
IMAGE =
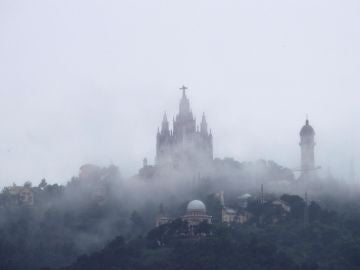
[(196, 213), (147, 171), (230, 215), (284, 205), (186, 142), (21, 194), (89, 172)]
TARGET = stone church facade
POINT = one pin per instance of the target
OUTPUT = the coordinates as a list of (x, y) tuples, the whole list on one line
[(185, 142)]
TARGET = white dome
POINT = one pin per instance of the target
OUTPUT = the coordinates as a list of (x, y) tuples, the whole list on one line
[(245, 196), (196, 205)]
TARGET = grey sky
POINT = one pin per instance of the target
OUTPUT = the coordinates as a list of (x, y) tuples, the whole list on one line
[(88, 81)]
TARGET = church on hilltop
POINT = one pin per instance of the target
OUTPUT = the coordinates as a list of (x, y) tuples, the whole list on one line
[(186, 142), (186, 146)]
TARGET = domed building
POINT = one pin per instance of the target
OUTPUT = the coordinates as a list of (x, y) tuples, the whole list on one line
[(196, 213)]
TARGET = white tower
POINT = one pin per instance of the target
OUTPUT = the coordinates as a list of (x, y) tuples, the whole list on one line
[(307, 145)]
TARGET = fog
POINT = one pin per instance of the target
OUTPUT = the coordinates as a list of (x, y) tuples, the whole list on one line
[(88, 81)]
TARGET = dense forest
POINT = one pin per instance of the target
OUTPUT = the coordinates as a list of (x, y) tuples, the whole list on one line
[(100, 220), (327, 241)]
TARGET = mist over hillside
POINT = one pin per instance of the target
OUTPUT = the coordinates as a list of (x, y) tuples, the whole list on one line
[(52, 225), (179, 135), (187, 195)]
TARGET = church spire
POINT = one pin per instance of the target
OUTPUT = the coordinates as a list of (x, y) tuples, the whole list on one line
[(203, 125), (165, 125), (203, 119), (165, 117)]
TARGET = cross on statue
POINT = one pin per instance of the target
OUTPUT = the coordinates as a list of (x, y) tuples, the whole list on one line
[(183, 88)]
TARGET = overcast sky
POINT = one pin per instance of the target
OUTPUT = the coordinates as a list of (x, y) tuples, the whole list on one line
[(88, 81)]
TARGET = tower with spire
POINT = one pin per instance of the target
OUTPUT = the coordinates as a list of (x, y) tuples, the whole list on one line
[(185, 142), (307, 145)]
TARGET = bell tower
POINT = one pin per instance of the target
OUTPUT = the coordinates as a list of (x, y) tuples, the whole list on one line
[(307, 146)]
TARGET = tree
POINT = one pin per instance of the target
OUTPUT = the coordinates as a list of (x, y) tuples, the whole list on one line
[(42, 184), (28, 184)]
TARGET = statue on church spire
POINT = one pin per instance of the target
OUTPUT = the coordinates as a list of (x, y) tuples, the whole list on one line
[(184, 88), (184, 108)]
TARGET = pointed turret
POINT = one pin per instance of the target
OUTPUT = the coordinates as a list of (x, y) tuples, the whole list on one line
[(307, 130), (145, 162), (203, 125), (165, 125)]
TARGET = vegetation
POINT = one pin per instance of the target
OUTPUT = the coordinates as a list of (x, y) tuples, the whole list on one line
[(328, 241), (97, 222), (61, 222)]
